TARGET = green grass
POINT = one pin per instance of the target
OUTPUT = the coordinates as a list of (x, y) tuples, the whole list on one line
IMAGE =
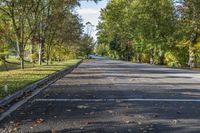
[(18, 79), (14, 64)]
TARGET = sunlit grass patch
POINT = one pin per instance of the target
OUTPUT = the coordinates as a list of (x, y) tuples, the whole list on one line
[(18, 79)]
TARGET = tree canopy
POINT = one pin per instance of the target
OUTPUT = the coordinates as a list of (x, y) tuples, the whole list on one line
[(156, 32), (41, 30)]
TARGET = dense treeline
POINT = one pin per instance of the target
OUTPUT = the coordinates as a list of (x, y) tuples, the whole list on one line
[(151, 31), (41, 31)]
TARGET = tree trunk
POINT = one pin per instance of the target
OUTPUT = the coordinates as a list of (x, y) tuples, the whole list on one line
[(21, 55), (138, 58), (48, 51), (18, 50), (31, 50), (40, 54), (161, 57), (51, 61), (126, 56), (151, 57), (4, 62), (22, 62), (47, 60), (5, 66), (192, 58)]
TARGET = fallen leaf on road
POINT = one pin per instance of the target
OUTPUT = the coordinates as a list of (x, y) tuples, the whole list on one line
[(82, 107), (174, 122), (39, 121), (150, 129), (53, 131), (110, 111), (88, 123), (22, 113), (46, 95), (13, 130), (11, 122), (17, 124), (128, 122), (28, 94), (69, 110)]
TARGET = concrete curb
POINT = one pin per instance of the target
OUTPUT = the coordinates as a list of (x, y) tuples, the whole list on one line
[(34, 89), (52, 77)]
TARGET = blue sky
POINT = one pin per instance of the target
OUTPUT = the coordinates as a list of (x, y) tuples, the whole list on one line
[(90, 12)]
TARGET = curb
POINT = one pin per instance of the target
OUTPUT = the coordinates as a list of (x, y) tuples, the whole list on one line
[(34, 89), (39, 84)]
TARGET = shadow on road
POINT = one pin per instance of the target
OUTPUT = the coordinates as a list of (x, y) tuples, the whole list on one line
[(106, 79)]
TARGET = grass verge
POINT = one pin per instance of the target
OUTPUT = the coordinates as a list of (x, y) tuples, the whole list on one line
[(18, 79)]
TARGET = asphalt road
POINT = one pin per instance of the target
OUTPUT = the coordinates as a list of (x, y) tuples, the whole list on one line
[(104, 96)]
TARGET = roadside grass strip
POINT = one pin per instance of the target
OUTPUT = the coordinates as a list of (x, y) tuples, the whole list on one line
[(15, 80)]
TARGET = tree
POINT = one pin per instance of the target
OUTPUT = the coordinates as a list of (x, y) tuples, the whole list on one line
[(135, 28), (114, 24), (87, 45), (41, 27), (189, 15), (3, 53), (18, 13)]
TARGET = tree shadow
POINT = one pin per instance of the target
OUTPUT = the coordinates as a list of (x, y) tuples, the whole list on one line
[(113, 82)]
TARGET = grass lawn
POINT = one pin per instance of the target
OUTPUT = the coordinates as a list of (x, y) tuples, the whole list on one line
[(18, 79), (15, 64)]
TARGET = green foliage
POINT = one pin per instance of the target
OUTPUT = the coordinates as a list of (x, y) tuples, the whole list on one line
[(159, 32), (43, 31), (46, 29), (86, 45), (101, 49)]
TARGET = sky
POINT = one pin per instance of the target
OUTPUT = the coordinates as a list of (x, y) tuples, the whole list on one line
[(90, 12)]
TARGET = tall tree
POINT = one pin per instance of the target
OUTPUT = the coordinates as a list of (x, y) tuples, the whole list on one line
[(189, 16)]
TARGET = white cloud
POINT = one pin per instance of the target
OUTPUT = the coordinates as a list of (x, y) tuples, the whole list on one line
[(85, 11)]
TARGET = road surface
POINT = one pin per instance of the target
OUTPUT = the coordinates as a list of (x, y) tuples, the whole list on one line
[(106, 96)]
